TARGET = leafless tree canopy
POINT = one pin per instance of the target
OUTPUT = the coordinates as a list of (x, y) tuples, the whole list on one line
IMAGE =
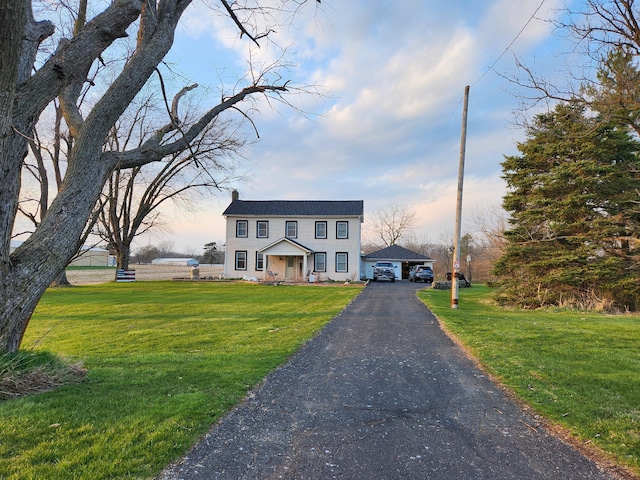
[(389, 224), (594, 29), (603, 23), (131, 199)]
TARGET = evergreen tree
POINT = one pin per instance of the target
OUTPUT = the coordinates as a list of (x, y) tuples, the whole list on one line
[(572, 199), (210, 253), (616, 95)]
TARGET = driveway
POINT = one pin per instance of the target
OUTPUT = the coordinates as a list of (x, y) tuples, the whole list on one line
[(381, 393)]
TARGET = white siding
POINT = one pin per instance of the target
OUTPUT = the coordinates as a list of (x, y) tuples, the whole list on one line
[(306, 237), (91, 258)]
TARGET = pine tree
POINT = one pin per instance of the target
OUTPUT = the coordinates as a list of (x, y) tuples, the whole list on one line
[(572, 199), (210, 253)]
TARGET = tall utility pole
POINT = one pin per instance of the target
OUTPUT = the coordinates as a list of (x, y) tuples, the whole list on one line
[(456, 239)]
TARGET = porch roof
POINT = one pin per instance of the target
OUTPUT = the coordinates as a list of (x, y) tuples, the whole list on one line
[(285, 246)]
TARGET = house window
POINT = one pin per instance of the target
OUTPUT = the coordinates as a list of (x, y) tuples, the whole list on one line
[(341, 262), (241, 260), (242, 228), (321, 229), (320, 262), (292, 229), (262, 229), (259, 261), (342, 229)]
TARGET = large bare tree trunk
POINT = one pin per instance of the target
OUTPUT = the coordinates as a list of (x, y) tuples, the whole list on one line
[(24, 95), (27, 272), (13, 18), (122, 256), (61, 280)]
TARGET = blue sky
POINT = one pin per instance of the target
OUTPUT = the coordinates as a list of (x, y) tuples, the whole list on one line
[(387, 129)]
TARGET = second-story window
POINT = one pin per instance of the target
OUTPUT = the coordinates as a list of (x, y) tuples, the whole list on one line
[(321, 229), (242, 228), (291, 229), (262, 229), (342, 229)]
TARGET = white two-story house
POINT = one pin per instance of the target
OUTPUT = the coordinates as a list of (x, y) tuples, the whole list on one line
[(294, 240)]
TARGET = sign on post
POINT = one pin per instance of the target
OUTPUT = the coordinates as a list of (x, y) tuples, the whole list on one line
[(126, 276)]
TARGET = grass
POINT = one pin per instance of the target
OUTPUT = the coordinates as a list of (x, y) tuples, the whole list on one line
[(580, 370), (164, 360), (25, 373)]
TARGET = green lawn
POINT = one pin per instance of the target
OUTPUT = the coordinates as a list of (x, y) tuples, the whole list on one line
[(580, 370), (165, 360)]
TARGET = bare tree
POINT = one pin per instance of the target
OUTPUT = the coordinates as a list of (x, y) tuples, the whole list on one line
[(131, 198), (28, 87), (596, 29), (603, 23), (45, 165), (389, 224), (490, 223), (421, 245)]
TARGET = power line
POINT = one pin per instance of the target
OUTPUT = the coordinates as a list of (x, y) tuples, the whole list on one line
[(533, 15), (426, 154), (489, 68)]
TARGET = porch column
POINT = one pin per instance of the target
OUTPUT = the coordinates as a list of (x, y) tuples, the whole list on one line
[(304, 268), (265, 265)]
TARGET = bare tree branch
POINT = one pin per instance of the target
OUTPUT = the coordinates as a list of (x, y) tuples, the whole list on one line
[(153, 150), (27, 88)]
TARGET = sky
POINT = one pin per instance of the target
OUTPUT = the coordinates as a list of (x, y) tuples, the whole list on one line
[(385, 127)]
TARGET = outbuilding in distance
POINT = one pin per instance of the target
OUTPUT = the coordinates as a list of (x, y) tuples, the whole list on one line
[(402, 258), (178, 262), (87, 256), (91, 257)]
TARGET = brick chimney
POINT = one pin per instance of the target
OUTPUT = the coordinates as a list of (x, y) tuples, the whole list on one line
[(234, 195)]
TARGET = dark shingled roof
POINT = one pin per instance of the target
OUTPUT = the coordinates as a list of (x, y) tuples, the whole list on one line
[(342, 208), (396, 252)]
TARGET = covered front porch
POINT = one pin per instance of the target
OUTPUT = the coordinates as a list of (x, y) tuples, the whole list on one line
[(286, 260)]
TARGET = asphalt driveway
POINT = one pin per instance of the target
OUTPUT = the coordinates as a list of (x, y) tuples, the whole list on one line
[(381, 393)]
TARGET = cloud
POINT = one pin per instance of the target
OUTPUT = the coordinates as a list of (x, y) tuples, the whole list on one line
[(393, 75)]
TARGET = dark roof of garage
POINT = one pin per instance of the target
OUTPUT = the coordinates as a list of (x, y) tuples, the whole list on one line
[(396, 252)]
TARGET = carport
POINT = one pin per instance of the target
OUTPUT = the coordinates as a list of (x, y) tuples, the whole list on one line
[(401, 257)]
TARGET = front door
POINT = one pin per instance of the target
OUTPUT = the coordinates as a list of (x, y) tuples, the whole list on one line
[(291, 269)]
